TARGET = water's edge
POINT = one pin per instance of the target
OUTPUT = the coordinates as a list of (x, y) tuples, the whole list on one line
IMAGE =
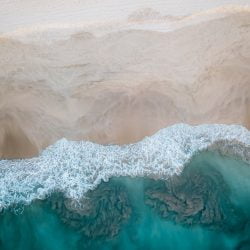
[(74, 168)]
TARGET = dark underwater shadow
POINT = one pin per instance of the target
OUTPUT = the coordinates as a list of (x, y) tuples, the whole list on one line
[(206, 207)]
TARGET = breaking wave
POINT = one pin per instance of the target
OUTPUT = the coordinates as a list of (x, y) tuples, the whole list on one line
[(75, 167)]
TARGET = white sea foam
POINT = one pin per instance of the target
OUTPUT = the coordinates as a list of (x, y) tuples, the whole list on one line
[(75, 167)]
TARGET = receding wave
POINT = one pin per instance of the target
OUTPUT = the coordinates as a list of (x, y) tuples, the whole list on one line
[(73, 168)]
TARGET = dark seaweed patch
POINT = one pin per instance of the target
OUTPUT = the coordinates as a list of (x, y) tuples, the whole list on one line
[(102, 214), (197, 197)]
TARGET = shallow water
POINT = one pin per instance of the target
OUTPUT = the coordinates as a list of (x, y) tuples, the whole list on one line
[(207, 207)]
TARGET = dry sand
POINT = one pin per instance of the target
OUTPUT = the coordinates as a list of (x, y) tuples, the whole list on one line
[(121, 85), (25, 14)]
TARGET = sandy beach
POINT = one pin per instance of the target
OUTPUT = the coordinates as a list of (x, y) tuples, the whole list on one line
[(124, 124), (118, 81)]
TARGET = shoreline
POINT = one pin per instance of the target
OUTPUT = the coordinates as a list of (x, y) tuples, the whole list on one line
[(73, 168)]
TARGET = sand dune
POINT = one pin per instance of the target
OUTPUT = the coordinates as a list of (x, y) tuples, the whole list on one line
[(123, 85)]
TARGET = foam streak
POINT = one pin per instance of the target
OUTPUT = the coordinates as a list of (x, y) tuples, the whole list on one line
[(75, 167)]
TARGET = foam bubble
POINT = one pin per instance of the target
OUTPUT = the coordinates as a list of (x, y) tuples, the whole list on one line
[(75, 167)]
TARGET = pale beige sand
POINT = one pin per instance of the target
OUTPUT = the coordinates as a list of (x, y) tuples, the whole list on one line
[(25, 14), (122, 86)]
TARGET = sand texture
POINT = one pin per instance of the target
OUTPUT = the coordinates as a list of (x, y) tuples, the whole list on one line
[(118, 86)]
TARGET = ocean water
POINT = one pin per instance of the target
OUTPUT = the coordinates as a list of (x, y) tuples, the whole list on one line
[(206, 207)]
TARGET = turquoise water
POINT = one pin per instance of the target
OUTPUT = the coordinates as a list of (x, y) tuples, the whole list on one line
[(207, 207)]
